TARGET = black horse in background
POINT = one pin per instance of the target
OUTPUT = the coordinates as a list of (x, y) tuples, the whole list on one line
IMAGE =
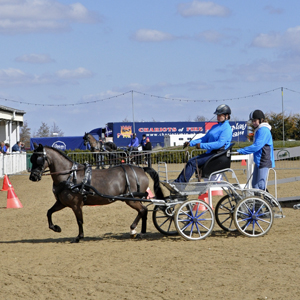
[(101, 147), (76, 185)]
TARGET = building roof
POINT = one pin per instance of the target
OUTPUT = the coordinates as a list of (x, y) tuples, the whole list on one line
[(2, 107)]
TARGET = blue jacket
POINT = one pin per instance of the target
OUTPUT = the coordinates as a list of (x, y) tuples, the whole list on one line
[(219, 136), (16, 148), (134, 142), (262, 147)]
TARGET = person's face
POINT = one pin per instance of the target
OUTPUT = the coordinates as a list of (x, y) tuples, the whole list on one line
[(221, 118), (255, 123)]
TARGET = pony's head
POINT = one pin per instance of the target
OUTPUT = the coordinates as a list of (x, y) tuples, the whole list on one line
[(86, 139), (39, 163)]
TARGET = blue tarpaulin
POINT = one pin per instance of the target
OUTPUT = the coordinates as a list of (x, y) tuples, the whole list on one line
[(60, 142)]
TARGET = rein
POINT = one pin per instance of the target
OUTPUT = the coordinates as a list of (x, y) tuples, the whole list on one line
[(61, 172)]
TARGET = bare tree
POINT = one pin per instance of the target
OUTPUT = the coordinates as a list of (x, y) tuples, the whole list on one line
[(43, 131), (200, 119), (25, 134), (55, 130)]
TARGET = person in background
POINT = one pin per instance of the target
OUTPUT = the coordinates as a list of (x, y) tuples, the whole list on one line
[(217, 139), (262, 149), (16, 147), (5, 148), (1, 147), (134, 143), (23, 149), (148, 147), (143, 141)]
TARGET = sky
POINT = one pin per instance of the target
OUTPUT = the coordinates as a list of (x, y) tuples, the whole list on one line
[(82, 64)]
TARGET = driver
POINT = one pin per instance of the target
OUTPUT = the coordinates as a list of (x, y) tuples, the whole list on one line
[(217, 139)]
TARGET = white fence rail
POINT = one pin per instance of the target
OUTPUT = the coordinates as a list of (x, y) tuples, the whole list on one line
[(12, 163)]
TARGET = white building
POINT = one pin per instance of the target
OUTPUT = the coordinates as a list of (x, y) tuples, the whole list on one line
[(11, 120)]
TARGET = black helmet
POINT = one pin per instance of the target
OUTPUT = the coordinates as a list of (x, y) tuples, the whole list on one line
[(256, 114), (223, 109), (134, 134)]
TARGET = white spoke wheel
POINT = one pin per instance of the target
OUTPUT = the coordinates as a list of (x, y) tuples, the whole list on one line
[(194, 220), (253, 217)]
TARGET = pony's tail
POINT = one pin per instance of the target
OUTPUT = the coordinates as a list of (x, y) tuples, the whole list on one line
[(154, 176)]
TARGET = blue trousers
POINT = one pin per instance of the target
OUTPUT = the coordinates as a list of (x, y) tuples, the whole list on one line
[(190, 167), (259, 177)]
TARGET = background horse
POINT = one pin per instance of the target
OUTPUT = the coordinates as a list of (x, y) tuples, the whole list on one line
[(99, 146), (71, 183)]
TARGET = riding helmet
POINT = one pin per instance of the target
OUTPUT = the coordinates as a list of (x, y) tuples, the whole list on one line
[(223, 109), (256, 114)]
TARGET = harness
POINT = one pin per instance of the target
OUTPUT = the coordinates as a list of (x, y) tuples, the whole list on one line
[(84, 188), (71, 182), (127, 180)]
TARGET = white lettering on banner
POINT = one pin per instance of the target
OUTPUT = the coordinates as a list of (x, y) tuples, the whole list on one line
[(237, 133), (59, 145), (238, 126)]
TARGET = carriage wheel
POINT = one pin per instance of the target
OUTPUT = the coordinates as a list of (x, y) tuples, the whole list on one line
[(224, 213), (253, 217), (163, 219), (194, 220)]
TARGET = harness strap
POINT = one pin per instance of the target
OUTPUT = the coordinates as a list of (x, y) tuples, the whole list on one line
[(87, 177), (127, 179), (136, 178), (73, 175)]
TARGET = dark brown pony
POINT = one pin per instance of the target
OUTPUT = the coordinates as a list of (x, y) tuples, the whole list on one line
[(76, 185), (99, 146)]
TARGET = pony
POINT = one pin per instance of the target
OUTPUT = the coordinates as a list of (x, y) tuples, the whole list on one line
[(76, 185), (99, 146)]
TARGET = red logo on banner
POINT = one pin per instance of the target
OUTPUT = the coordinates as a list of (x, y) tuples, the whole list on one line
[(209, 125)]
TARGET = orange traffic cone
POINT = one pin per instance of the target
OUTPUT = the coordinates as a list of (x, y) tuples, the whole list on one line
[(200, 206), (6, 183), (243, 163), (12, 199), (150, 194), (217, 193)]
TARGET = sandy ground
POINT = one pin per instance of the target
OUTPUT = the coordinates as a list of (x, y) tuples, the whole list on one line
[(37, 263)]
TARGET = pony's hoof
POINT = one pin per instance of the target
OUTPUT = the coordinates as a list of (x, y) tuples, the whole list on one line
[(77, 239), (140, 236), (133, 236), (56, 228)]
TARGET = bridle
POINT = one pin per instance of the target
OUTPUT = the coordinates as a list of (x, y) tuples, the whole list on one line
[(40, 161)]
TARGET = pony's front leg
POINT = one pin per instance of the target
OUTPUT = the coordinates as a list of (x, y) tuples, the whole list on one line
[(56, 207)]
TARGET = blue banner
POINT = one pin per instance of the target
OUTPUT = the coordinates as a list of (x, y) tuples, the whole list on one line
[(60, 142), (122, 132)]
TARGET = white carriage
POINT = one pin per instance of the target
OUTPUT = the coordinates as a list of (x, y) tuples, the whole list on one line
[(250, 211)]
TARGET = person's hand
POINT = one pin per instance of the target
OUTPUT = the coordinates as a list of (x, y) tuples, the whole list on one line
[(198, 146), (186, 144)]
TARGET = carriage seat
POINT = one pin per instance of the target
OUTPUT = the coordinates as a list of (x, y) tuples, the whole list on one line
[(217, 162)]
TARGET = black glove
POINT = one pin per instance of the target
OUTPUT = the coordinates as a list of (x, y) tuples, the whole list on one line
[(186, 144)]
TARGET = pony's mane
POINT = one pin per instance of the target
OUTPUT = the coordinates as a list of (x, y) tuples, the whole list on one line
[(60, 152), (89, 135)]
